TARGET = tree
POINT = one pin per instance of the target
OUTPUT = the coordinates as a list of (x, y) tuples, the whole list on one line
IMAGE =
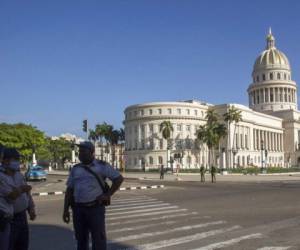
[(166, 128), (60, 149), (93, 135), (211, 134), (122, 141), (102, 131), (23, 137), (233, 115)]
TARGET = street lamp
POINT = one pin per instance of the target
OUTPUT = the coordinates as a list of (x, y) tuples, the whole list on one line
[(262, 155)]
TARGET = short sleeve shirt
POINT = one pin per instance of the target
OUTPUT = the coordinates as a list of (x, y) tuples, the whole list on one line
[(85, 185), (5, 189)]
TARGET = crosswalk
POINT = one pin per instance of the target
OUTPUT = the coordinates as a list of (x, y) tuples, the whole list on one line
[(146, 223)]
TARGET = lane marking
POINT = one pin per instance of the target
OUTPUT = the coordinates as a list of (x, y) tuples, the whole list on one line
[(146, 214), (152, 219), (128, 202), (135, 204), (130, 199), (141, 206), (173, 230), (230, 242), (182, 240), (126, 229), (142, 210), (273, 248)]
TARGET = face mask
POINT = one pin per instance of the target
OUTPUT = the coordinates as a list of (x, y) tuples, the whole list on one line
[(14, 165)]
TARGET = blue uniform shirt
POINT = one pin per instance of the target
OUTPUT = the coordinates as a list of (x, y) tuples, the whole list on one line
[(85, 185), (5, 205)]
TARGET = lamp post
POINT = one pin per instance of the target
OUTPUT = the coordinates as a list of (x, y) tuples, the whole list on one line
[(234, 151), (34, 162), (262, 155)]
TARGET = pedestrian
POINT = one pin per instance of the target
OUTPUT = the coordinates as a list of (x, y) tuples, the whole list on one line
[(213, 171), (19, 235), (88, 194), (177, 169), (11, 195), (202, 172), (162, 172)]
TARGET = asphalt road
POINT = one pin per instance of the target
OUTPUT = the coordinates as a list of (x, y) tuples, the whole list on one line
[(187, 216)]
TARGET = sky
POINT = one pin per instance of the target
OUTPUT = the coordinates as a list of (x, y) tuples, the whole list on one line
[(65, 61)]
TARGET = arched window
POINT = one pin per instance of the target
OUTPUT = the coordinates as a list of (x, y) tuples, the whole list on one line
[(278, 76), (271, 76), (160, 160), (284, 76), (257, 78), (151, 160), (264, 77)]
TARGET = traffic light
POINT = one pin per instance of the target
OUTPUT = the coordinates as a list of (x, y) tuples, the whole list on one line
[(84, 125)]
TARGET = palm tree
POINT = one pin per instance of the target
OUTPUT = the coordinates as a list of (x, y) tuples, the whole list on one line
[(166, 128), (233, 115), (211, 134), (102, 130), (122, 141), (113, 137), (93, 135)]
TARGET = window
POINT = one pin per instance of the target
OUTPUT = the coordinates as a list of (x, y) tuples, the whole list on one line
[(179, 111), (179, 127), (142, 112), (135, 129), (271, 76), (143, 129), (169, 111), (151, 143), (160, 160), (188, 127), (135, 113), (264, 77), (257, 78), (284, 76), (151, 160), (161, 144), (151, 128), (143, 143), (159, 111), (195, 112), (135, 161), (188, 112), (278, 76), (150, 111)]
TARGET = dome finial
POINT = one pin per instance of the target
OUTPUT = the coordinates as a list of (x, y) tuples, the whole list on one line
[(270, 40)]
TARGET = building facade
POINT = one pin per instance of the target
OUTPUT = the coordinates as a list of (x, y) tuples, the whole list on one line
[(268, 135)]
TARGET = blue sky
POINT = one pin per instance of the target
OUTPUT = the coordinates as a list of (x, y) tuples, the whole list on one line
[(64, 61)]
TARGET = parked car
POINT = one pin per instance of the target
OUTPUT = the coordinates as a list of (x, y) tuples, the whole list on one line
[(36, 173)]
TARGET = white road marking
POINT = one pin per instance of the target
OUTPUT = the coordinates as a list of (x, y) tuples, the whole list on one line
[(43, 194), (135, 204), (230, 242), (274, 248), (126, 229), (146, 214), (141, 206), (142, 210), (152, 219), (173, 230), (185, 239), (132, 201)]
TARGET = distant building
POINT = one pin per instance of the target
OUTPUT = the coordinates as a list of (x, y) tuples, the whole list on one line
[(268, 135)]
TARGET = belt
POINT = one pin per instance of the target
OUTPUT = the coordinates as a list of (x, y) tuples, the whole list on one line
[(88, 204)]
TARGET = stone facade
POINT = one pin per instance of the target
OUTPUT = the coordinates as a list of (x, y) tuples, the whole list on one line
[(268, 135)]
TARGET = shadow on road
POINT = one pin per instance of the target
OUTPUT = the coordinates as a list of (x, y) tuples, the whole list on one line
[(50, 237)]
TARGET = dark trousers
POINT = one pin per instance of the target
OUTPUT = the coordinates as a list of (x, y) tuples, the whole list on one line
[(202, 178), (19, 234), (4, 237), (89, 220), (161, 176), (213, 178)]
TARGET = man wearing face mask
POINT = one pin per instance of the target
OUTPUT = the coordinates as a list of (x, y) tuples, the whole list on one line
[(19, 234), (87, 195)]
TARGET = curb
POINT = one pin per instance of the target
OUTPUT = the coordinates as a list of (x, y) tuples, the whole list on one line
[(121, 189)]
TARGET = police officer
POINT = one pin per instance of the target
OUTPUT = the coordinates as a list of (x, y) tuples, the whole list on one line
[(19, 236), (9, 193), (162, 172), (213, 171), (88, 199), (202, 172)]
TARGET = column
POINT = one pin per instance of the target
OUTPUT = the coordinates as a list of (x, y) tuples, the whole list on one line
[(259, 139), (265, 139), (276, 142), (254, 139)]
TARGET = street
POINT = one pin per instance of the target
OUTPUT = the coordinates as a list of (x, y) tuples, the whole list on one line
[(184, 215)]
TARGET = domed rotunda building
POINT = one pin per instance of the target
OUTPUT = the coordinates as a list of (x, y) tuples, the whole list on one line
[(268, 135)]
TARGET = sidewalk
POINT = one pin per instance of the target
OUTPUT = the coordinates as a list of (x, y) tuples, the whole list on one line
[(196, 177)]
